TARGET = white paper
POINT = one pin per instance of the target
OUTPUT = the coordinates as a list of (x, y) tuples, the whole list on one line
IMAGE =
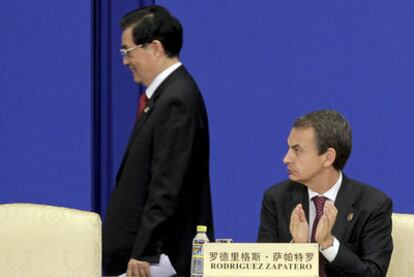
[(163, 269)]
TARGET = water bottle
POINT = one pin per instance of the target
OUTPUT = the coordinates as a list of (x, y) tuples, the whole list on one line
[(197, 256)]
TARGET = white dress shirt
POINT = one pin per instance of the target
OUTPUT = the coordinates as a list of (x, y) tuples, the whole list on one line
[(160, 78)]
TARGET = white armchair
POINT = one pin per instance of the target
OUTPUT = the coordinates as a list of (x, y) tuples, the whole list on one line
[(48, 241), (402, 259)]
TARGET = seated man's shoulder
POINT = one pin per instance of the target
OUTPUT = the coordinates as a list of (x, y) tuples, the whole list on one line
[(367, 192)]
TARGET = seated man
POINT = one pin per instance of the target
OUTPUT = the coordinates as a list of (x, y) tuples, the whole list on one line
[(349, 220)]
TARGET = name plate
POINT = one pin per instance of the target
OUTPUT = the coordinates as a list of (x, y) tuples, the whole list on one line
[(261, 260)]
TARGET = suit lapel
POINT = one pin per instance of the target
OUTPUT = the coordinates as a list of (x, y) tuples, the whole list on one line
[(141, 120), (138, 125), (299, 194), (346, 212), (151, 103), (147, 112)]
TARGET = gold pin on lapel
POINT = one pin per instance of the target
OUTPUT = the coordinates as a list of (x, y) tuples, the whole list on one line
[(146, 109), (350, 216)]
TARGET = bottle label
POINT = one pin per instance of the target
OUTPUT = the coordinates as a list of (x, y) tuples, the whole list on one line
[(198, 250)]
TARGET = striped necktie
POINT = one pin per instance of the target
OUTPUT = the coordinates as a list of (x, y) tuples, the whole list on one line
[(319, 205)]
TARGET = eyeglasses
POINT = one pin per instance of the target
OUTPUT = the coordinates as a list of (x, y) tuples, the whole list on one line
[(126, 53)]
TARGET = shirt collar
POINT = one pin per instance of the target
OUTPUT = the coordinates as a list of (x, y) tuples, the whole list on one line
[(160, 78), (331, 193)]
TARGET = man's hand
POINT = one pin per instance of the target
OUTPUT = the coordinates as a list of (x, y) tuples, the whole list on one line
[(323, 234), (138, 268), (299, 228)]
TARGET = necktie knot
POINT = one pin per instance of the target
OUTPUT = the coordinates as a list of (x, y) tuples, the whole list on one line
[(319, 204)]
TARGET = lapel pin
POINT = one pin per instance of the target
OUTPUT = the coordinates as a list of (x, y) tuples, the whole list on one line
[(146, 109), (350, 216)]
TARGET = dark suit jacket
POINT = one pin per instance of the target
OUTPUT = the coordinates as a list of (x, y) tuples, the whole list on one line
[(162, 189), (365, 239)]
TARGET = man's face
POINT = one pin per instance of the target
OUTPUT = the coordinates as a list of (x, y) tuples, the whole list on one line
[(303, 162), (139, 60)]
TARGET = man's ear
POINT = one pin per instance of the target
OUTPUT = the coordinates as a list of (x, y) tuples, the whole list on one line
[(158, 48), (330, 156)]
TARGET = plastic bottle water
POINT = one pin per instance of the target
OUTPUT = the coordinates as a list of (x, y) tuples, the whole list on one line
[(197, 256)]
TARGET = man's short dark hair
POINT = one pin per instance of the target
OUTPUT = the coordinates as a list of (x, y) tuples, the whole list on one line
[(332, 130), (155, 23)]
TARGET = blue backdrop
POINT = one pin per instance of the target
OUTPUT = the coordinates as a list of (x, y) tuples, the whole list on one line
[(45, 102), (67, 104)]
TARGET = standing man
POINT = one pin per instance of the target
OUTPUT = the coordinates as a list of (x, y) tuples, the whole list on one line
[(349, 220), (162, 188)]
